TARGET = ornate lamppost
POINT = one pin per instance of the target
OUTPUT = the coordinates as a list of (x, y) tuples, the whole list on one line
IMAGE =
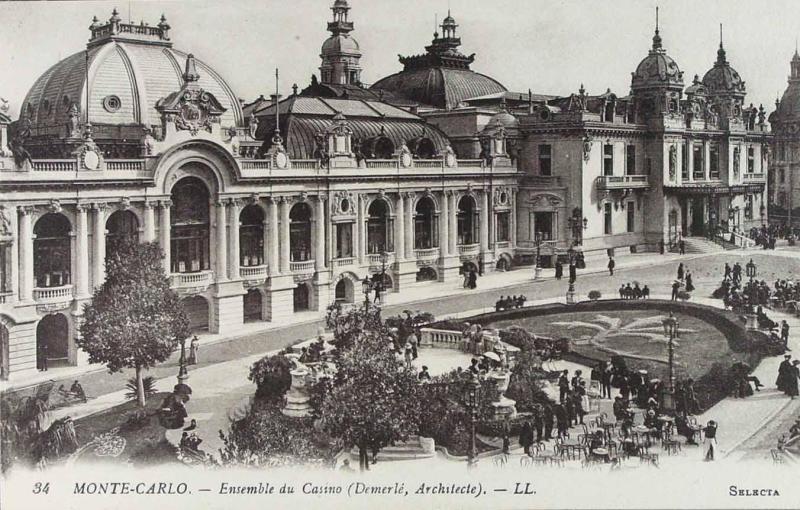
[(671, 332), (366, 287), (577, 224), (537, 268), (382, 282), (473, 390), (572, 256)]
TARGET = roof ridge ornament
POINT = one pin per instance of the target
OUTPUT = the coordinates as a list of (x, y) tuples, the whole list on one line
[(721, 60), (657, 38), (191, 75)]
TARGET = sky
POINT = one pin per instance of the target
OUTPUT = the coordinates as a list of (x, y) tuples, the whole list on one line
[(550, 47)]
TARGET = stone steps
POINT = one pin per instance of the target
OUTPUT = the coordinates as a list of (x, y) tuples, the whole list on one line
[(414, 448)]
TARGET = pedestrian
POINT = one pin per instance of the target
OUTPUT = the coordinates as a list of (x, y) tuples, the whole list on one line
[(605, 380), (611, 266), (526, 437), (408, 355), (473, 279), (563, 385), (680, 271), (785, 334), (466, 277), (710, 441), (194, 345), (676, 285), (784, 369), (689, 283), (559, 270), (727, 271), (622, 291), (682, 247), (77, 390), (412, 339), (547, 417), (562, 423), (573, 274), (791, 383), (423, 374)]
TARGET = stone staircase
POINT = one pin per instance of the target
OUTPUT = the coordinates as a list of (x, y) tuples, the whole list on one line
[(415, 448), (701, 245)]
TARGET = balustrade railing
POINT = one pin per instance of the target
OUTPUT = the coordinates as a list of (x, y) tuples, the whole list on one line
[(755, 177), (256, 164), (622, 181), (426, 253), (469, 249), (344, 261), (55, 165), (382, 163), (44, 294), (113, 165), (249, 272), (431, 337), (305, 266), (470, 163), (197, 279), (374, 259), (305, 164)]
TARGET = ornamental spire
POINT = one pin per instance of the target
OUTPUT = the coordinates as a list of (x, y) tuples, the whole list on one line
[(656, 37), (721, 60)]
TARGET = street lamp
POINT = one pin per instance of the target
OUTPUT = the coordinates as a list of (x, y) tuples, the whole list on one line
[(473, 390), (671, 332), (577, 224), (381, 283), (537, 268), (366, 287)]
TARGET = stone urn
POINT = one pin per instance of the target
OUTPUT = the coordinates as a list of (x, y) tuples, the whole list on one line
[(504, 407), (297, 398)]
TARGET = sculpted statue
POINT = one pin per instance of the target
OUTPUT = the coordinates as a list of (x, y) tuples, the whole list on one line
[(673, 161), (73, 122), (5, 221), (253, 125)]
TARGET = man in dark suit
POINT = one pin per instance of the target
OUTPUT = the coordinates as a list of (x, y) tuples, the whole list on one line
[(563, 385)]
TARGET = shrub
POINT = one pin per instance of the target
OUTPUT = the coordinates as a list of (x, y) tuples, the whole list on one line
[(594, 295), (519, 338), (272, 375), (148, 383)]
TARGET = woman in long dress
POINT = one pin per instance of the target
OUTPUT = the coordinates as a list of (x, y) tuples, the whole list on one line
[(791, 381)]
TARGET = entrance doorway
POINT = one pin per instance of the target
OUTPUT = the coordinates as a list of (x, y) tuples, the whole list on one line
[(698, 217), (301, 298), (52, 341), (196, 308), (253, 306)]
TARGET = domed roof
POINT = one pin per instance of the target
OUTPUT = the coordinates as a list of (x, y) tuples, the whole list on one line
[(657, 69), (126, 80), (341, 43), (442, 87), (722, 78), (788, 108)]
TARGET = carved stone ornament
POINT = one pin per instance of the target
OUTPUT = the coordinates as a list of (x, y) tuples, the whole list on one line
[(736, 159), (449, 157), (501, 196), (192, 108), (543, 200), (55, 206), (5, 221), (673, 161), (587, 148), (406, 159), (343, 203), (124, 204)]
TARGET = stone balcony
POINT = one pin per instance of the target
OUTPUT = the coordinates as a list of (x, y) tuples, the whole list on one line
[(344, 262), (374, 259), (754, 177), (469, 250), (302, 267), (426, 255), (192, 283), (254, 275), (617, 182), (52, 295)]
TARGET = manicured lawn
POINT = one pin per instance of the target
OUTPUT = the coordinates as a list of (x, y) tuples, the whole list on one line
[(143, 443), (638, 335)]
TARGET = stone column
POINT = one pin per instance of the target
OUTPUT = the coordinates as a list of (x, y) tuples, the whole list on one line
[(513, 219), (149, 222), (222, 241), (274, 240), (164, 234), (453, 223), (484, 221), (82, 253), (285, 248), (99, 234), (234, 206), (319, 230), (25, 247), (399, 227), (444, 224), (409, 228), (361, 232)]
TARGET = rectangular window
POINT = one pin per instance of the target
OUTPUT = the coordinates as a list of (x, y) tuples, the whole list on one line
[(503, 230), (713, 163), (783, 175), (630, 160), (344, 240), (608, 159), (607, 220), (631, 216), (545, 159), (543, 224), (697, 160), (751, 160), (685, 161)]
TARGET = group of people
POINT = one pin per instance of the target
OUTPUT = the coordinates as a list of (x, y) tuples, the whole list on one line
[(470, 278), (788, 375), (635, 292), (190, 441), (510, 302), (573, 268), (75, 391), (765, 236)]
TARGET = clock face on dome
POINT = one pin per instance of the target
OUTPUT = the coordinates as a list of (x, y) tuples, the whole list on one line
[(450, 160), (91, 160), (405, 160)]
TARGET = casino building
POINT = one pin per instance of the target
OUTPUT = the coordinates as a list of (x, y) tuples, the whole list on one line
[(285, 205)]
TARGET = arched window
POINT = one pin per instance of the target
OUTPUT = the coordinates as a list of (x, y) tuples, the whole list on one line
[(121, 227), (52, 253), (251, 236), (422, 147), (467, 220), (52, 341), (426, 234), (426, 274), (379, 228), (190, 226), (300, 232)]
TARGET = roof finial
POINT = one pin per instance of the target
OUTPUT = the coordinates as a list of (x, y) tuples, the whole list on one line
[(720, 35), (721, 50), (656, 37), (191, 74), (436, 25)]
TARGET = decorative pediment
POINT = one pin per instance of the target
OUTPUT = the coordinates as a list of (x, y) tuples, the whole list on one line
[(191, 108)]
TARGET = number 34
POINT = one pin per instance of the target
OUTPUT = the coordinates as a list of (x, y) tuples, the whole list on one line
[(41, 488)]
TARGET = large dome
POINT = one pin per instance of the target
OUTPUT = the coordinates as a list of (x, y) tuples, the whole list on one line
[(657, 69), (441, 87), (722, 78), (126, 79)]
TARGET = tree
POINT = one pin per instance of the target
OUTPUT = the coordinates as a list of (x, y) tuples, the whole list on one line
[(374, 399), (134, 320)]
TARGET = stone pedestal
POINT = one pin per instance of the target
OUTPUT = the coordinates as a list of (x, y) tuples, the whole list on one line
[(537, 272), (297, 397), (504, 408), (751, 322), (571, 294)]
